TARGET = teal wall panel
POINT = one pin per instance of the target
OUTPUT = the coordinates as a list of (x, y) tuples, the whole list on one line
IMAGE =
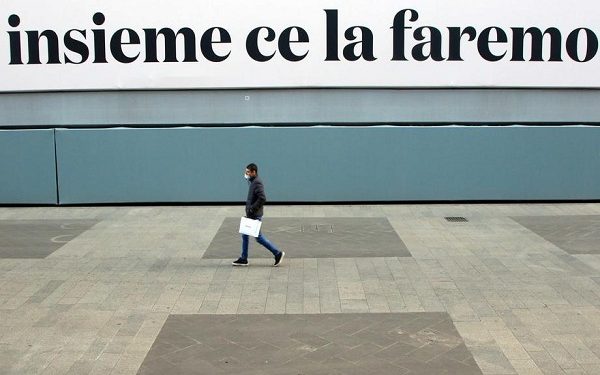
[(377, 163), (27, 167)]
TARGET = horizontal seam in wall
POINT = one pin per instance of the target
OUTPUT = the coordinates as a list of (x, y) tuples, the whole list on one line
[(293, 124), (312, 88)]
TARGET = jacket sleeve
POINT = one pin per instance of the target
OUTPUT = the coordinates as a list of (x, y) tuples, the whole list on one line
[(261, 198)]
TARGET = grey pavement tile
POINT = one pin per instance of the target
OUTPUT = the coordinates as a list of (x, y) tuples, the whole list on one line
[(591, 368), (98, 304), (158, 367), (560, 355), (575, 234), (44, 292), (578, 350), (8, 358), (38, 238), (313, 238), (81, 367), (526, 366), (53, 315), (339, 343), (491, 360)]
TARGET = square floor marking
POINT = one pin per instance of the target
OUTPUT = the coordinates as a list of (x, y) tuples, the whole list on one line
[(313, 238), (397, 343), (38, 238), (578, 234)]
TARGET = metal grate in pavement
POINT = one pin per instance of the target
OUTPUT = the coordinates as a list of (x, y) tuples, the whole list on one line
[(456, 219)]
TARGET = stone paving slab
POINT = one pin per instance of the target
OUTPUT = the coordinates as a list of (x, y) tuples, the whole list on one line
[(97, 304), (313, 237), (38, 238), (406, 343), (575, 234)]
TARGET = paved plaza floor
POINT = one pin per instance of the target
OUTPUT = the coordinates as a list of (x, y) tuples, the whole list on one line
[(381, 289)]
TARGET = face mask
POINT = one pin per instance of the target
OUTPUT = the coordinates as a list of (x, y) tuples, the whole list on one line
[(246, 177)]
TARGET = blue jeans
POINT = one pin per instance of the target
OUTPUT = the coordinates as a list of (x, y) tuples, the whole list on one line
[(261, 240)]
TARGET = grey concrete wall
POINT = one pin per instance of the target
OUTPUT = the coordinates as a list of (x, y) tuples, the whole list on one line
[(310, 106), (329, 163), (27, 167)]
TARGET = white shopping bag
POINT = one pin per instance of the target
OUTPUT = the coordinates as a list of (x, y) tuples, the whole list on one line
[(250, 227)]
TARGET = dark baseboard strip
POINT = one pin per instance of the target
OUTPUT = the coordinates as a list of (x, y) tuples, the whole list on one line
[(327, 203)]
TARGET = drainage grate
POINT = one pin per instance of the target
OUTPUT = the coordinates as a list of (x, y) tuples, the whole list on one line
[(456, 219)]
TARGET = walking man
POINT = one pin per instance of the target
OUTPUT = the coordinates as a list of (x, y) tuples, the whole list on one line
[(254, 210)]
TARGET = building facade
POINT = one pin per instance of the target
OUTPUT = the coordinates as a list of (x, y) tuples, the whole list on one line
[(424, 102)]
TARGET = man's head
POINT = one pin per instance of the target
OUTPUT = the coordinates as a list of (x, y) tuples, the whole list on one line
[(251, 170)]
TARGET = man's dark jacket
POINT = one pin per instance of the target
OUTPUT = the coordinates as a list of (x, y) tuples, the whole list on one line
[(256, 198)]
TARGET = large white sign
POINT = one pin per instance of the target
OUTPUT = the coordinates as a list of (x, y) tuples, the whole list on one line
[(177, 44)]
